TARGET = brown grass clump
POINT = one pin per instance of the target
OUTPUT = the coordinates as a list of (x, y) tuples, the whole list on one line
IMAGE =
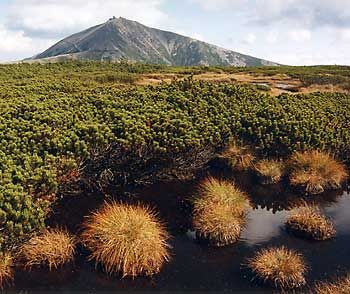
[(6, 269), (53, 248), (280, 267), (238, 157), (316, 171), (308, 221), (219, 214), (342, 286), (126, 239), (269, 171)]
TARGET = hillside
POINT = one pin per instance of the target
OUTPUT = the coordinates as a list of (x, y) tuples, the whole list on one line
[(122, 39)]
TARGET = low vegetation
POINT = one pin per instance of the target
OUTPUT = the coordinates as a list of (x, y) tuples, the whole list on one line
[(20, 214), (316, 171), (6, 269), (126, 78), (307, 221), (91, 114), (238, 157), (53, 248), (280, 267), (219, 212), (341, 286), (262, 87), (269, 171), (124, 239)]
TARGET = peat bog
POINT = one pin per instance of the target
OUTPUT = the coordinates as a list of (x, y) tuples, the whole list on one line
[(195, 266)]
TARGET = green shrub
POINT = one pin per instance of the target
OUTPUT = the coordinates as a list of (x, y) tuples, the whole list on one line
[(20, 214), (137, 135)]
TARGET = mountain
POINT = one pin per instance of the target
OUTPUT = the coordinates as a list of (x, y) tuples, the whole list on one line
[(123, 39)]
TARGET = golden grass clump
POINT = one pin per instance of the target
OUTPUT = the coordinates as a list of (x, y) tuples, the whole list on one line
[(307, 221), (280, 267), (316, 171), (219, 214), (238, 157), (53, 248), (269, 171), (126, 239), (342, 286), (6, 269)]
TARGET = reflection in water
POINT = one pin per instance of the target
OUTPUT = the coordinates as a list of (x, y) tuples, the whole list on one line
[(262, 226), (195, 267), (340, 213)]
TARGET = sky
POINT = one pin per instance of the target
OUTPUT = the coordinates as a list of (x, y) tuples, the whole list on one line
[(294, 32)]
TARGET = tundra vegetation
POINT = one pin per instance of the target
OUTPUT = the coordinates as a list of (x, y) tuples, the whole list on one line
[(316, 171), (77, 127), (6, 269), (341, 286), (53, 248), (219, 212), (308, 221), (280, 267), (269, 171), (126, 240), (238, 157)]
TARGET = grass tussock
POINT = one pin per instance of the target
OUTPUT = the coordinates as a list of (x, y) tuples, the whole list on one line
[(269, 171), (126, 239), (6, 269), (219, 213), (316, 171), (238, 157), (342, 286), (308, 221), (53, 248), (280, 267)]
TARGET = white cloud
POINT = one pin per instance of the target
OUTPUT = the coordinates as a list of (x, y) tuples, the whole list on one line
[(14, 44), (13, 41), (308, 13), (218, 4), (249, 39), (272, 37), (300, 35), (343, 35), (54, 18)]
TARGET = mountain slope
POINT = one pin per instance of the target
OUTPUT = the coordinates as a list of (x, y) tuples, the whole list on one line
[(122, 39)]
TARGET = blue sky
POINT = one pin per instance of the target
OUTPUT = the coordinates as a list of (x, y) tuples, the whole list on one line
[(296, 32)]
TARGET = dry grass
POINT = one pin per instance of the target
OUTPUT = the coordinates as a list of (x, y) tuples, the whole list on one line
[(238, 157), (342, 286), (280, 267), (308, 221), (219, 213), (316, 171), (269, 171), (53, 248), (217, 224), (6, 269), (126, 239)]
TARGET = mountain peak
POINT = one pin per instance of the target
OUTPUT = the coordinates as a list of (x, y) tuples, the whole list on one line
[(118, 19), (124, 39)]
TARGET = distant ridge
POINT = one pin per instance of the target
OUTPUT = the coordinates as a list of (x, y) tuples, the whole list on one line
[(122, 39)]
